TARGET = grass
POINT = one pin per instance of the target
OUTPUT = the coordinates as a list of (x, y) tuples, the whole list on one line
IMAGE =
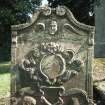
[(4, 85), (4, 79), (99, 61)]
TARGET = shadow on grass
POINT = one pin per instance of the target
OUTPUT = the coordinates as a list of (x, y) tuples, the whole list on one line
[(5, 67)]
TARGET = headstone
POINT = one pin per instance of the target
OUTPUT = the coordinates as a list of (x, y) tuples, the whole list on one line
[(100, 29), (52, 60)]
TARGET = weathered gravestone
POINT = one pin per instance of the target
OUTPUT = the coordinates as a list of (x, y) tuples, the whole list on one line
[(52, 60)]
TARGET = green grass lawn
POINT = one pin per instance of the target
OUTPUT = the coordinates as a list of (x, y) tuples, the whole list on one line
[(4, 85), (4, 79)]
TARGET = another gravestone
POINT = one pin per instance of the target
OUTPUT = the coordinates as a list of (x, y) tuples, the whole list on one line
[(52, 60), (100, 28)]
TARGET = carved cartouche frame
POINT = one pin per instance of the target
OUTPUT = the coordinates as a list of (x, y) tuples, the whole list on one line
[(45, 57)]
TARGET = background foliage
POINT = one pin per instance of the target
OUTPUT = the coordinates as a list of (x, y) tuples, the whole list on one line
[(19, 11), (16, 11), (83, 10)]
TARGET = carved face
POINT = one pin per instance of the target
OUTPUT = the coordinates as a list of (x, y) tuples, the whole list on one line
[(53, 27)]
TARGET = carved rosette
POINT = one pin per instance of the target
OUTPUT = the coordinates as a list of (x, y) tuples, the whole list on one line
[(60, 11), (46, 11), (55, 64)]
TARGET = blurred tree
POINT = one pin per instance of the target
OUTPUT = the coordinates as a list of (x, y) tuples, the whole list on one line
[(13, 12), (83, 10), (17, 11)]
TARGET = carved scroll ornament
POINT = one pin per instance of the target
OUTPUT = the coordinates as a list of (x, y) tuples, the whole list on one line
[(54, 63)]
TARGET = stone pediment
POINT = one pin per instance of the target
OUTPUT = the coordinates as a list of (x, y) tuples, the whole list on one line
[(60, 14)]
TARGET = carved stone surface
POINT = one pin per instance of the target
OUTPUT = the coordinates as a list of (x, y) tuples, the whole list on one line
[(52, 60)]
